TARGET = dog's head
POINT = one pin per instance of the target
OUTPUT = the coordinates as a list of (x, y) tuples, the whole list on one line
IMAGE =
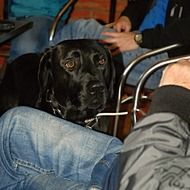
[(78, 77)]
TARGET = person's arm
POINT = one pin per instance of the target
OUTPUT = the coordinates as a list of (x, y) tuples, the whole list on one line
[(174, 94), (135, 11), (177, 32), (157, 150)]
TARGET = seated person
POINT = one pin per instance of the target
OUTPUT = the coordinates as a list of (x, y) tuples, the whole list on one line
[(40, 151), (42, 13), (158, 26)]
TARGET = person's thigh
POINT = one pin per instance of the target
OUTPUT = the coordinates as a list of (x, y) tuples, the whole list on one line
[(33, 40), (80, 29), (38, 144)]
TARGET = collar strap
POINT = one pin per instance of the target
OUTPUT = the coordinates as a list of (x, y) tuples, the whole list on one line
[(57, 107)]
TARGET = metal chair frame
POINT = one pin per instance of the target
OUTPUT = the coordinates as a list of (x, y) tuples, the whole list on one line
[(58, 17), (126, 73), (146, 74), (128, 69)]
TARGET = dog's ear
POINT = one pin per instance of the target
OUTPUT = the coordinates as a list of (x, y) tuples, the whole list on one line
[(45, 75)]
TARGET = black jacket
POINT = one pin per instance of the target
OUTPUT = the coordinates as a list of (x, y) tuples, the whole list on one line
[(176, 29)]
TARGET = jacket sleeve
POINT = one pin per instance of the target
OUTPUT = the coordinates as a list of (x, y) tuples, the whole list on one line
[(136, 10), (156, 153), (177, 32)]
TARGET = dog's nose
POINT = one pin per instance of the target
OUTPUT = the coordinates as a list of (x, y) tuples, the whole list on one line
[(95, 87)]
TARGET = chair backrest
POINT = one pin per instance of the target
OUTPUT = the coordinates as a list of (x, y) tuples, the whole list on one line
[(145, 75), (123, 80), (58, 18)]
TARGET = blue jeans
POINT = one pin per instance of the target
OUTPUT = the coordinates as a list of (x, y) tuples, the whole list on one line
[(39, 151), (33, 40)]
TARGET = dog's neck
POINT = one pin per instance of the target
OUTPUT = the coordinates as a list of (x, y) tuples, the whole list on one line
[(54, 104), (57, 109)]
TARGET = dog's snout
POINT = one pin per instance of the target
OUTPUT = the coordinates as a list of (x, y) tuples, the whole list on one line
[(95, 87)]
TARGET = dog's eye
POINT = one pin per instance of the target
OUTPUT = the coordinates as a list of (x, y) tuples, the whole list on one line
[(102, 61), (70, 65)]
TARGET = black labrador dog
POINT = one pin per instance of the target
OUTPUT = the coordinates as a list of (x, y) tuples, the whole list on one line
[(73, 80)]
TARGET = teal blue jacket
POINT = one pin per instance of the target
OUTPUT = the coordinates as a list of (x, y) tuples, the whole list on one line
[(20, 8)]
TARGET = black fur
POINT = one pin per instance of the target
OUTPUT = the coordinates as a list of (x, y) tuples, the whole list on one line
[(75, 78)]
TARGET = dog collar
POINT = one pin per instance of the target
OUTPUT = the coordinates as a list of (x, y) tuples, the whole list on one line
[(54, 104), (91, 123), (57, 107)]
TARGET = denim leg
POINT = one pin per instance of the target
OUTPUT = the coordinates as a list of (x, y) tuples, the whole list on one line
[(80, 29), (36, 146), (33, 40)]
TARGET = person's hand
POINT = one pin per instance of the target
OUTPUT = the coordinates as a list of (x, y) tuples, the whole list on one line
[(177, 74), (123, 24), (120, 41)]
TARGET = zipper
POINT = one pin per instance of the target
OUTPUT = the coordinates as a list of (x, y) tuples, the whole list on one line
[(176, 11)]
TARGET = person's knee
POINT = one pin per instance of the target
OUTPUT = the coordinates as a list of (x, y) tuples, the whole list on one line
[(91, 28), (81, 23), (12, 113), (79, 29), (18, 113)]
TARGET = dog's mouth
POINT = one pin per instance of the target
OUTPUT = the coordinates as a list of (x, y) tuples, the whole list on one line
[(97, 103), (96, 95)]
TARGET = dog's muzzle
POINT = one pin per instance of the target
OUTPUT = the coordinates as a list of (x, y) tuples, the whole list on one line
[(96, 91)]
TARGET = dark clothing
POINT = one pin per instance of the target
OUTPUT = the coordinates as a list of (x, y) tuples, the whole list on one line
[(136, 10), (177, 102), (176, 29), (156, 153)]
